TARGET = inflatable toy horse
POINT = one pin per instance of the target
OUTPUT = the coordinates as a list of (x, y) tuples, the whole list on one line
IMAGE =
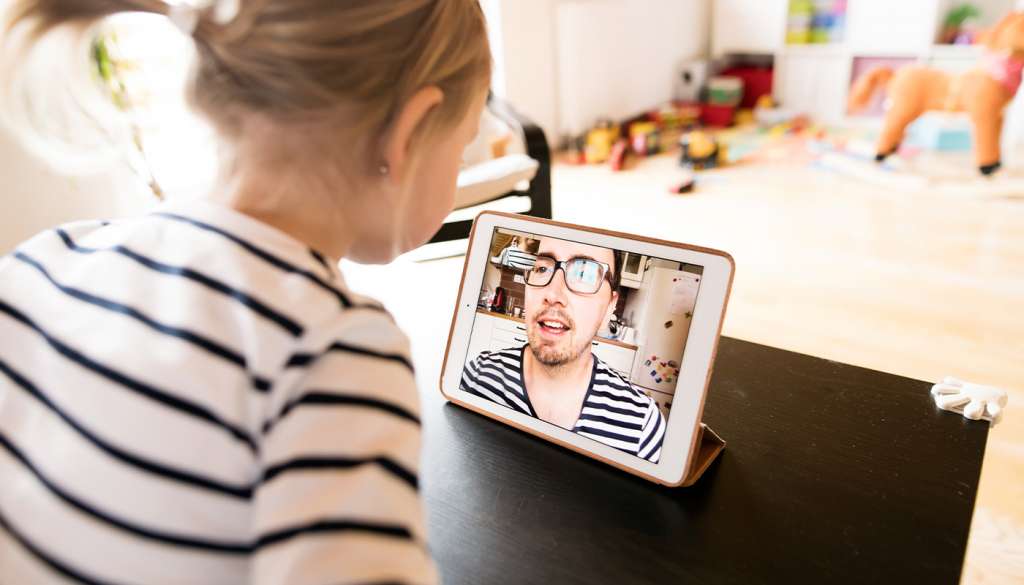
[(982, 92)]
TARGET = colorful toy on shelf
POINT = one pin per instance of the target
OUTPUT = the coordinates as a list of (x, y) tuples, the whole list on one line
[(645, 138), (600, 141), (982, 92), (815, 21), (798, 26), (698, 150), (958, 27), (827, 24)]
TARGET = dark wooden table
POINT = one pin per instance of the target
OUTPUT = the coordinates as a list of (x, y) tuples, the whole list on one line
[(832, 474)]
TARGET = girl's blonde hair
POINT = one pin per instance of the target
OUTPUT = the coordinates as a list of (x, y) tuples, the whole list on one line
[(302, 60)]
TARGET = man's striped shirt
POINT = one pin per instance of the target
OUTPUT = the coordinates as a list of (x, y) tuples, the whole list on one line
[(614, 411), (195, 397)]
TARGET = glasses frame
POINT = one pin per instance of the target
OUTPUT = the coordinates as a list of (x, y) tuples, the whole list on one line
[(561, 264)]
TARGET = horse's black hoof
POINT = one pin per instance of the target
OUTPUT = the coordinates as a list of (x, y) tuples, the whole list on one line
[(881, 156), (987, 170)]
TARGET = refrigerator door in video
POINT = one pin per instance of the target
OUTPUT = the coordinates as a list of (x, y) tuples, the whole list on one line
[(670, 297)]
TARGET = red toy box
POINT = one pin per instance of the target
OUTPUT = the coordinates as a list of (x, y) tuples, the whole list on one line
[(757, 81), (716, 116)]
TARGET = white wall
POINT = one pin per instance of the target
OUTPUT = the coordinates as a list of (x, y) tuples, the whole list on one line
[(566, 63), (523, 43), (620, 58), (34, 198)]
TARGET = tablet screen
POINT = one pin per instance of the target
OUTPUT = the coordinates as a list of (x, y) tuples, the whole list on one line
[(581, 336)]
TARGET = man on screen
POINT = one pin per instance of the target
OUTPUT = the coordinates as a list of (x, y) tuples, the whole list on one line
[(555, 377)]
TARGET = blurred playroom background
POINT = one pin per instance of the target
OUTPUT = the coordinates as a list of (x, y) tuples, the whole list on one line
[(723, 123)]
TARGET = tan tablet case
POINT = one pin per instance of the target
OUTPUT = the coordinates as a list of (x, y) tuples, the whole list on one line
[(706, 445)]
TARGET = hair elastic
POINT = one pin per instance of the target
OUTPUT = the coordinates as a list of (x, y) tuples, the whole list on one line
[(185, 15)]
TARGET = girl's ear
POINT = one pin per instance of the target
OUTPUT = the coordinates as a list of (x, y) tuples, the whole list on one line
[(399, 137)]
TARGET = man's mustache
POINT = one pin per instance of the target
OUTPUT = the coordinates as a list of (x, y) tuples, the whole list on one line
[(555, 314)]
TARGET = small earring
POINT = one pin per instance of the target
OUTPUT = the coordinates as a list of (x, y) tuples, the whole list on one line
[(384, 169)]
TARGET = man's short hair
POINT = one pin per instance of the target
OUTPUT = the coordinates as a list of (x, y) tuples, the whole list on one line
[(618, 256)]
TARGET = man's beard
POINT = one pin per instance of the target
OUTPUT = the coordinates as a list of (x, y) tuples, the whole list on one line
[(550, 355)]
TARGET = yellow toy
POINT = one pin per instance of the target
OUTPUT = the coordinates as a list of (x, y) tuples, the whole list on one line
[(600, 141), (744, 117), (982, 92), (699, 150)]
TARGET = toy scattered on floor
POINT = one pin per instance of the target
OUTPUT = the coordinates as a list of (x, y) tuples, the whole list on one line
[(744, 117), (724, 95), (698, 150), (600, 141), (940, 131), (974, 401), (618, 156), (576, 153), (687, 185), (725, 91), (767, 114), (717, 116), (982, 92), (757, 81), (675, 116), (645, 138)]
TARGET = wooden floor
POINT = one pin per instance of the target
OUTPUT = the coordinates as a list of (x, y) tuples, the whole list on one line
[(913, 283)]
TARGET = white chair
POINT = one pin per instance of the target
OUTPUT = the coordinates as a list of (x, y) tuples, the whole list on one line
[(519, 181)]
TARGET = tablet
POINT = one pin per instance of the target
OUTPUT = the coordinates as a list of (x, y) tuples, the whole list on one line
[(599, 341)]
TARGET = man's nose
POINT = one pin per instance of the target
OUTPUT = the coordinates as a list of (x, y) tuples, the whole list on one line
[(556, 291)]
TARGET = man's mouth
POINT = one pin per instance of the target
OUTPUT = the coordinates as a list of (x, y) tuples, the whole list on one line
[(553, 326)]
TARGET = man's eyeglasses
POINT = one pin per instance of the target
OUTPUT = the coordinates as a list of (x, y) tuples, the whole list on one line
[(582, 275)]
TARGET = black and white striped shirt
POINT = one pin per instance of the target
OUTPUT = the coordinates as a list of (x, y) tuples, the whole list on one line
[(614, 411), (195, 397)]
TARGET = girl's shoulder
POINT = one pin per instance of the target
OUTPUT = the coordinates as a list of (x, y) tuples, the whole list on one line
[(215, 272)]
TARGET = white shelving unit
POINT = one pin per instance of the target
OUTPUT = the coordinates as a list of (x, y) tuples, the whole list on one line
[(815, 78)]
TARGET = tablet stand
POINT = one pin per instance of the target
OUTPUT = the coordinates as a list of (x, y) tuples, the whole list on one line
[(709, 445)]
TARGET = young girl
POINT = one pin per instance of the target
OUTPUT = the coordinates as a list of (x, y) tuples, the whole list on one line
[(194, 396)]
